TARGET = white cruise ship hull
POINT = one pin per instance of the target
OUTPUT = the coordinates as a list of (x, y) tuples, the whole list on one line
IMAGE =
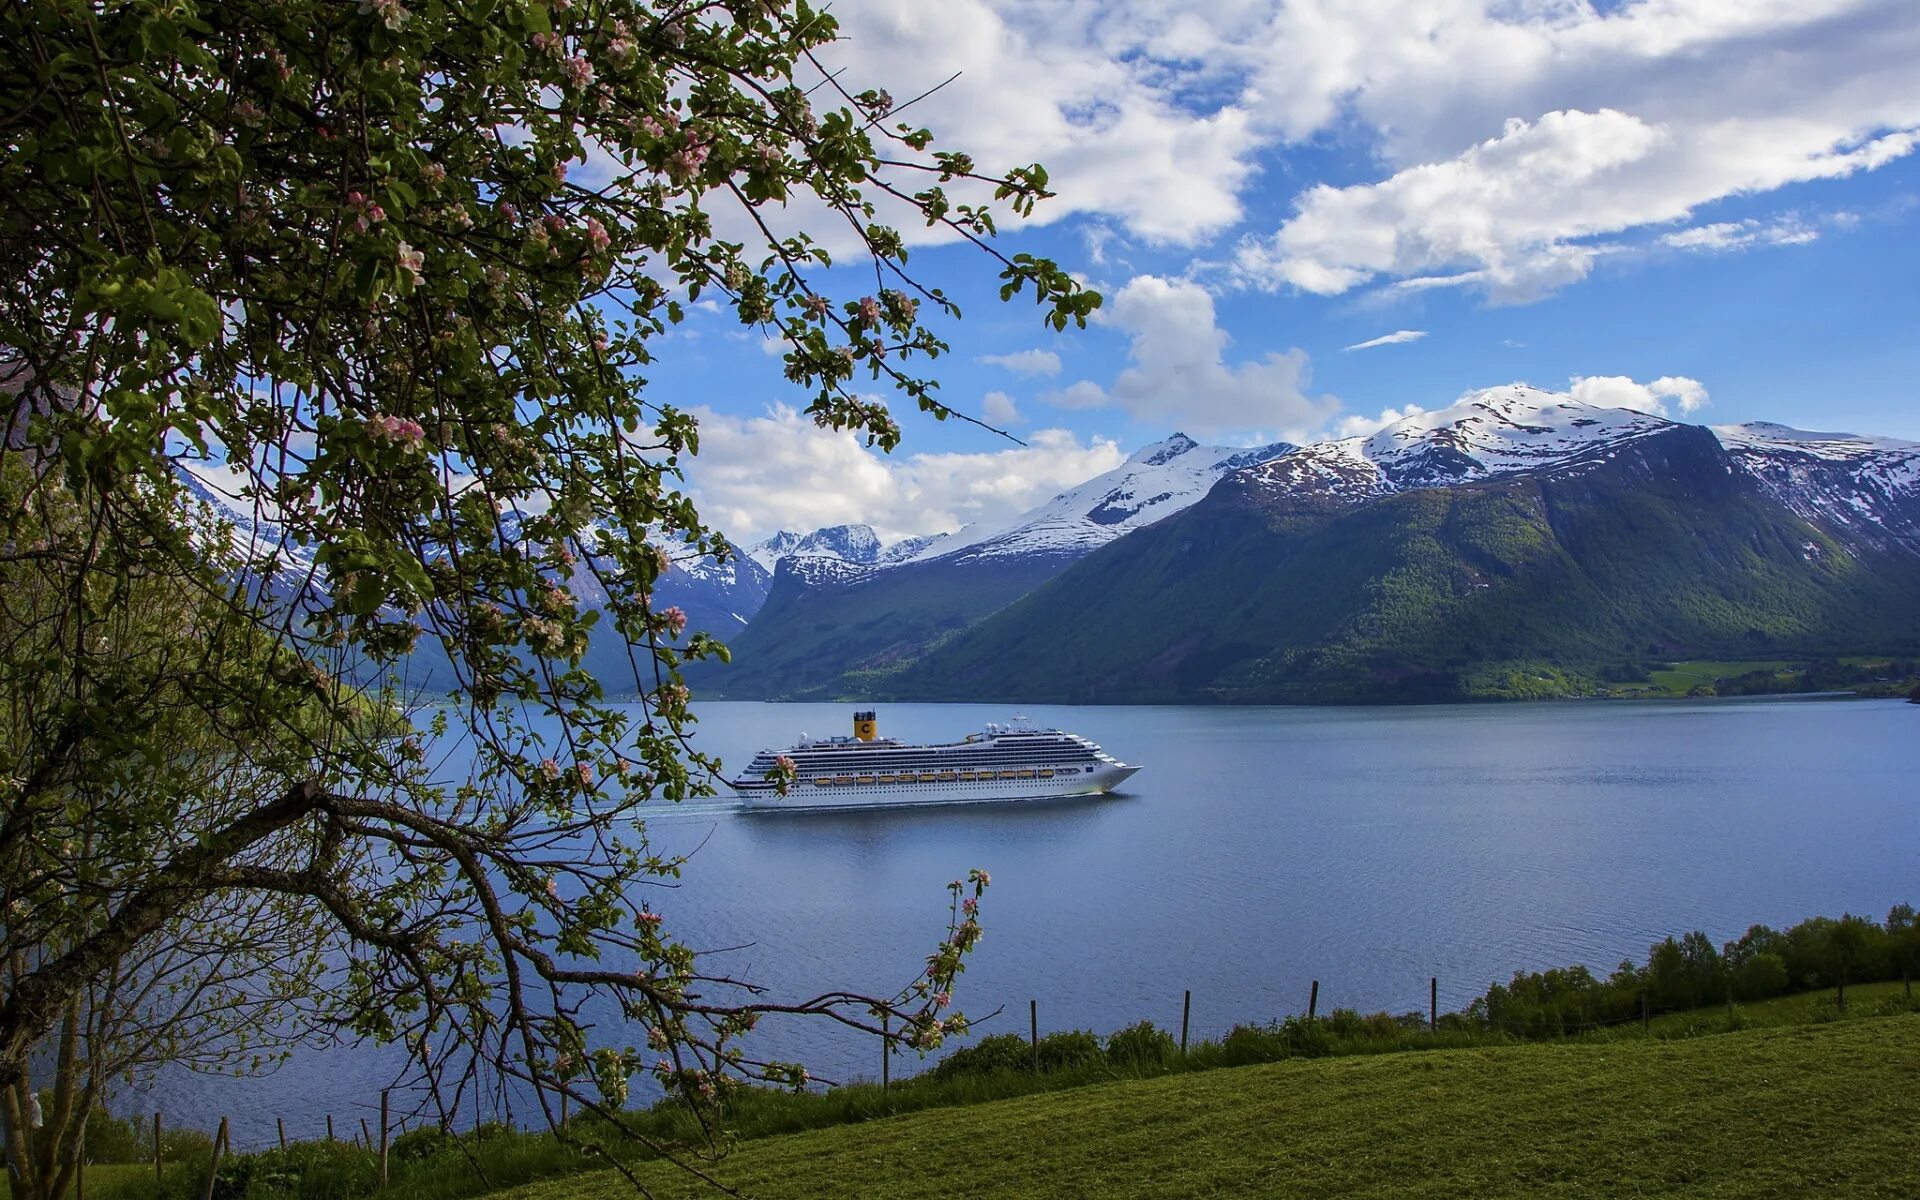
[(816, 798)]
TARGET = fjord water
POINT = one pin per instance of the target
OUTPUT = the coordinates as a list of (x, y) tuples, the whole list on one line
[(1260, 849)]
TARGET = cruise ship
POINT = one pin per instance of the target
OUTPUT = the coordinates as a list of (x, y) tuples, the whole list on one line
[(1002, 762)]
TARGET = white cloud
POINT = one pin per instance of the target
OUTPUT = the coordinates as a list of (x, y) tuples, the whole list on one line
[(1026, 362), (1618, 391), (1628, 119), (1738, 235), (1359, 424), (1396, 338), (998, 408), (1178, 373), (1120, 138), (780, 471)]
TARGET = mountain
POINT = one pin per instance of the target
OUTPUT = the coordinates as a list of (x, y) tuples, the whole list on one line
[(1509, 545), (837, 611), (1864, 490)]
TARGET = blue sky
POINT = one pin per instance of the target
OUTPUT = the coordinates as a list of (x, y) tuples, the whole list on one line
[(1701, 207)]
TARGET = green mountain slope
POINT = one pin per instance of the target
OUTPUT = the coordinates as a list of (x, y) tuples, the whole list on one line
[(1514, 586), (822, 638), (1824, 1110)]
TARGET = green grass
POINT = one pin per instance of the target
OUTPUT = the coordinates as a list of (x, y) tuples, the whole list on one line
[(1680, 676), (1821, 1109), (125, 1179)]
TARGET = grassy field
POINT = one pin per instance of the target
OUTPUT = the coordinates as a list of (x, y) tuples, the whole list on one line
[(1823, 1109), (318, 1172)]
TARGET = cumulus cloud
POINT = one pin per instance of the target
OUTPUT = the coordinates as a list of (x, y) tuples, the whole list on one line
[(1121, 138), (1618, 391), (778, 470), (1026, 362), (1359, 424), (1526, 141), (1396, 338), (1178, 373), (998, 408), (1514, 215)]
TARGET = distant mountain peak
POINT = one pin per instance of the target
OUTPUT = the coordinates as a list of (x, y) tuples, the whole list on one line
[(1494, 431), (1164, 451)]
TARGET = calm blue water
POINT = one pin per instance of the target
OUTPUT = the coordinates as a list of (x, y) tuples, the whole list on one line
[(1260, 849)]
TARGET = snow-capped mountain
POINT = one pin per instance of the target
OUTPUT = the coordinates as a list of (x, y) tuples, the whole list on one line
[(1861, 488), (1158, 481), (839, 543), (1499, 431)]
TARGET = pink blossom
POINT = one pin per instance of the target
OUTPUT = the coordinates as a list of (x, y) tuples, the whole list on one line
[(560, 172), (508, 212), (686, 162), (817, 305), (785, 764), (400, 431), (549, 770), (970, 906), (869, 309), (392, 13), (676, 620), (649, 919), (620, 49), (584, 773), (410, 261), (247, 112), (597, 234), (600, 342), (553, 888), (651, 127), (941, 999), (546, 43), (434, 174), (579, 71)]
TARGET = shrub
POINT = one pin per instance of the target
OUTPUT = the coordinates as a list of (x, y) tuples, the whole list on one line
[(422, 1143), (1245, 1044), (1069, 1048), (1000, 1052), (1305, 1037), (1142, 1045)]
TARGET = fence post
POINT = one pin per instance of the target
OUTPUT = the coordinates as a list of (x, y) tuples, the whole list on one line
[(156, 1148), (1033, 1031), (1313, 1000), (383, 1137), (563, 1106), (1186, 1013), (1433, 1004), (886, 1051), (330, 1127), (281, 1124), (213, 1167), (366, 1134)]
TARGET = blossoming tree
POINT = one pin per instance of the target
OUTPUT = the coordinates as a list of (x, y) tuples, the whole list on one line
[(397, 269)]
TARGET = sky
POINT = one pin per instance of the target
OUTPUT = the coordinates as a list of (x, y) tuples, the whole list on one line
[(1309, 218)]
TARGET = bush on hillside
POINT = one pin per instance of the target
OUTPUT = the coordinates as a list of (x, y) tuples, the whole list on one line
[(1069, 1048), (1000, 1052), (1142, 1045)]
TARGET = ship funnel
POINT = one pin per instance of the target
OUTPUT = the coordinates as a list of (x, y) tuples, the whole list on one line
[(866, 725)]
